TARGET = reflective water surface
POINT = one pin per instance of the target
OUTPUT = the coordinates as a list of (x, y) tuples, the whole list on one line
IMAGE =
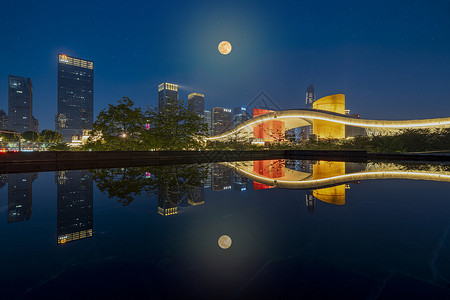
[(267, 229)]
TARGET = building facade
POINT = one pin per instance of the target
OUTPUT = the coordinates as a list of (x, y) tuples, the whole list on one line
[(20, 103), (221, 120), (240, 115), (208, 121), (167, 93), (3, 120), (75, 96), (196, 103)]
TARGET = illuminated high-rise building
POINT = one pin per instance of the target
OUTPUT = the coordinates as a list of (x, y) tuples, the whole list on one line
[(74, 205), (3, 119), (310, 96), (20, 196), (240, 115), (20, 103), (167, 92), (196, 103), (75, 96), (208, 121), (221, 120)]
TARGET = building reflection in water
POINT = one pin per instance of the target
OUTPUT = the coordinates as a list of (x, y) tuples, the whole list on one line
[(20, 196), (74, 205), (220, 177)]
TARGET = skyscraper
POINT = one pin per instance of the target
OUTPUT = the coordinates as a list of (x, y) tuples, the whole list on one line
[(307, 131), (208, 121), (196, 103), (310, 96), (240, 115), (221, 120), (20, 103), (74, 205), (167, 92), (3, 119), (75, 96)]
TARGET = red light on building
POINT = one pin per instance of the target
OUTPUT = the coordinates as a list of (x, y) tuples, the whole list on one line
[(269, 131)]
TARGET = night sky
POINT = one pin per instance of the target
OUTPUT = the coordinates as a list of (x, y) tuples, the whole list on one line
[(390, 59)]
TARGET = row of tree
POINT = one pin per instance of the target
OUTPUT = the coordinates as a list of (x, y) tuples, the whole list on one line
[(46, 136), (125, 127)]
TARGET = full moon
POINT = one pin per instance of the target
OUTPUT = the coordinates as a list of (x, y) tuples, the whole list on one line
[(224, 242), (224, 47)]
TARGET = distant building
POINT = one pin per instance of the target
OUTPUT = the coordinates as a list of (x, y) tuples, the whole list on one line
[(196, 195), (240, 115), (196, 103), (167, 92), (20, 196), (75, 96), (3, 120), (353, 131), (208, 121), (307, 131), (221, 120), (35, 125), (20, 103), (74, 205)]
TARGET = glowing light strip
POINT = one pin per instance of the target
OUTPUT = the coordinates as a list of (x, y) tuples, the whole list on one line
[(352, 122), (346, 177)]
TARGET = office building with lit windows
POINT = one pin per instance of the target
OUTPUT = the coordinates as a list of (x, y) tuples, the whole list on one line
[(20, 104), (221, 120), (75, 96), (167, 92), (74, 205), (196, 103), (240, 115), (208, 121)]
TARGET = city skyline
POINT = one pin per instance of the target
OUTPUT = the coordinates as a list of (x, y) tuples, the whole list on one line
[(379, 58)]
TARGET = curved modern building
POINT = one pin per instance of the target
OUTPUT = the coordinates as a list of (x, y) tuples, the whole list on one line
[(328, 119)]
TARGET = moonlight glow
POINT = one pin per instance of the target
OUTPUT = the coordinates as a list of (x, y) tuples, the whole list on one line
[(224, 47), (224, 242)]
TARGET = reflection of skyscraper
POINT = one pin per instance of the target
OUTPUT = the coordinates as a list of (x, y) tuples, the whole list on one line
[(196, 103), (167, 93), (310, 202), (220, 177), (74, 205), (196, 195), (75, 96), (221, 120), (240, 182), (20, 103), (167, 202), (20, 196), (3, 180)]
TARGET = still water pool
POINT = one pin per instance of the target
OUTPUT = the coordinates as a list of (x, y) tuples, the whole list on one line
[(293, 229)]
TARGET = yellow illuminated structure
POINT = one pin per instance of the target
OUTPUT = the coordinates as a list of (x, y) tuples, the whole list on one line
[(168, 86), (329, 119), (72, 61), (167, 211), (326, 169), (73, 236), (326, 129)]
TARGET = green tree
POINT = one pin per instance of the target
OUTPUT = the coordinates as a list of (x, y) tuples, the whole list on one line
[(49, 136), (174, 127), (59, 147), (119, 127), (30, 136)]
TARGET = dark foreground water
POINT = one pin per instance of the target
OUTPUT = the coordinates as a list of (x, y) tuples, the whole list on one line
[(335, 230)]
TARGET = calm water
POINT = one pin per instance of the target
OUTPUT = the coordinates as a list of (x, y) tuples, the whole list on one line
[(327, 230)]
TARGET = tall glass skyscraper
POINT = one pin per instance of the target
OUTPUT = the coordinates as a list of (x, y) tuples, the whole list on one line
[(167, 92), (75, 96), (20, 103), (310, 96), (196, 103), (221, 120), (240, 115)]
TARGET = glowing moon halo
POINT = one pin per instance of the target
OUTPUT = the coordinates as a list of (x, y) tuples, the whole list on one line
[(224, 47), (224, 242)]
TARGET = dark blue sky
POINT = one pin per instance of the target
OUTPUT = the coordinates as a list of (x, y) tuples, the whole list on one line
[(390, 58)]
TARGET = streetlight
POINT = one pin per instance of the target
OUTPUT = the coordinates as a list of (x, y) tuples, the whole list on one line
[(124, 135)]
